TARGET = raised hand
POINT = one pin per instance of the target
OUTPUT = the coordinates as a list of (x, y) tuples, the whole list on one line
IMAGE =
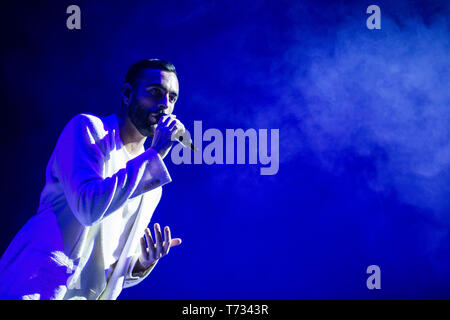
[(151, 250), (168, 127)]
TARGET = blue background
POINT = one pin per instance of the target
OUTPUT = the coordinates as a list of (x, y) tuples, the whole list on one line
[(364, 137)]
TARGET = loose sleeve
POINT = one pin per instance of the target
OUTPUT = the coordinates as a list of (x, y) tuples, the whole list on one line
[(79, 158), (132, 279)]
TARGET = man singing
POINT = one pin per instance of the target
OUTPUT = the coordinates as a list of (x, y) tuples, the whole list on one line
[(89, 238)]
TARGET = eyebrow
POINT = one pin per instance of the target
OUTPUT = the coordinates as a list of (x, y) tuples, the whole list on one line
[(159, 85)]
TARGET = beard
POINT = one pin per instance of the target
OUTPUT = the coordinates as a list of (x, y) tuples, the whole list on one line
[(139, 116)]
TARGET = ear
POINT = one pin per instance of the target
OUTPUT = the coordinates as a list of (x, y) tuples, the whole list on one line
[(126, 93)]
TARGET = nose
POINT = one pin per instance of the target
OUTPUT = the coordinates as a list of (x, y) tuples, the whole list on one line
[(162, 107), (164, 104)]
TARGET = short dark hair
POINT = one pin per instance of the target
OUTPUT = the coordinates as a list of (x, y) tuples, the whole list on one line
[(157, 64)]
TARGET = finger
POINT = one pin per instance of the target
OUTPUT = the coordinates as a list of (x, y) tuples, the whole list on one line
[(166, 119), (158, 235), (178, 130), (161, 121), (144, 248), (151, 244), (180, 126), (149, 238), (173, 125), (159, 240), (167, 240), (175, 242)]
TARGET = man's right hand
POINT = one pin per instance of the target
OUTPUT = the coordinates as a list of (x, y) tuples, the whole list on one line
[(167, 127)]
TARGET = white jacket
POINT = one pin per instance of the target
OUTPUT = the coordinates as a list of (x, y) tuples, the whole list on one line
[(60, 252)]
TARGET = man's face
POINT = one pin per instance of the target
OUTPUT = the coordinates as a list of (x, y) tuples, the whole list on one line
[(153, 94)]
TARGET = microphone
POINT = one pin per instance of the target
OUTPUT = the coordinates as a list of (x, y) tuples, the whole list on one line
[(184, 141), (181, 138)]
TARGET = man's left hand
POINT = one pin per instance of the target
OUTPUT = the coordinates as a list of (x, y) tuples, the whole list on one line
[(154, 250)]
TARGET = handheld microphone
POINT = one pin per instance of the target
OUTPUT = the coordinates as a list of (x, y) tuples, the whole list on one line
[(184, 141)]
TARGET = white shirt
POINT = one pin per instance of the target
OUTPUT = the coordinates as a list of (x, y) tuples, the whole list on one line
[(119, 223)]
